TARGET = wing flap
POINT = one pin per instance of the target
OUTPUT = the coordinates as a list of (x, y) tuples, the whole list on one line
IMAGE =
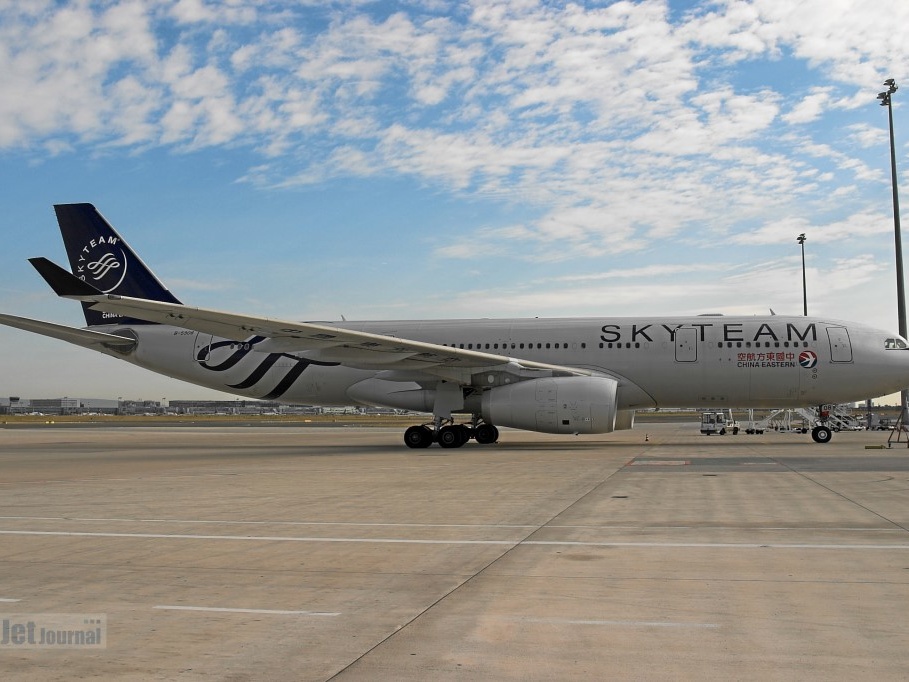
[(352, 348), (360, 350)]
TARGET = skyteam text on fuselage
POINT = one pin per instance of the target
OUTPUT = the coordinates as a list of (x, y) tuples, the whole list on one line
[(570, 376)]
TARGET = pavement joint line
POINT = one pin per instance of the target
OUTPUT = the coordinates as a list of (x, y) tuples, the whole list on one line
[(843, 496), (225, 609), (480, 571), (503, 543)]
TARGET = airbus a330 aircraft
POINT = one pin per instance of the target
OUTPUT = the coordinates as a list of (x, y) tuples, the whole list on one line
[(571, 376)]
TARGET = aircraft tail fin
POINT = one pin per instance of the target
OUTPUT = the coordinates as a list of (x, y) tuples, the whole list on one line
[(99, 256)]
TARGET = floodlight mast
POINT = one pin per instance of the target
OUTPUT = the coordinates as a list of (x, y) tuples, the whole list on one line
[(885, 98), (801, 240)]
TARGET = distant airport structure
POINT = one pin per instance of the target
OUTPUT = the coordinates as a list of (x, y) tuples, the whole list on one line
[(14, 405)]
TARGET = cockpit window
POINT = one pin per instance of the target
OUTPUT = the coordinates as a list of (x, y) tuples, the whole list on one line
[(896, 344)]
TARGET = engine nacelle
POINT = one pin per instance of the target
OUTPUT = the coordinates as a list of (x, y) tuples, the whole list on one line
[(624, 419), (397, 394), (558, 405)]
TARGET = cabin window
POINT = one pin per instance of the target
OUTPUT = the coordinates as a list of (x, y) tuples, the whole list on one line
[(895, 344)]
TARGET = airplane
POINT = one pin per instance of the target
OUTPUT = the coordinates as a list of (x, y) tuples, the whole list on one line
[(561, 376)]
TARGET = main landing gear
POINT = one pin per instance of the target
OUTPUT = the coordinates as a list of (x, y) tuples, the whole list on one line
[(450, 435)]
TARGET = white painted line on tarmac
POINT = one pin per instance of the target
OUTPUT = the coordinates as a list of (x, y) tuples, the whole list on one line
[(229, 522), (478, 526), (407, 541), (615, 623), (224, 609), (259, 538), (9, 601)]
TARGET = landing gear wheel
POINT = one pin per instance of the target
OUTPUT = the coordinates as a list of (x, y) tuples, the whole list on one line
[(821, 434), (452, 436), (486, 434), (418, 437)]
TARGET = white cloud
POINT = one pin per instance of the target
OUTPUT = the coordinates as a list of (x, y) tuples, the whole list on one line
[(226, 11), (620, 124), (858, 226), (810, 108)]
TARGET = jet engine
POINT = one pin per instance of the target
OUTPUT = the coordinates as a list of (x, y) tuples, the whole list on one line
[(556, 405), (401, 395)]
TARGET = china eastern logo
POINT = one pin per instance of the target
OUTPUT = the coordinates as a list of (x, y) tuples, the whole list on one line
[(808, 359), (102, 263)]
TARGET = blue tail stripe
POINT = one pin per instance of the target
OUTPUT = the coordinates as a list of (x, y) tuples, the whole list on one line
[(99, 256)]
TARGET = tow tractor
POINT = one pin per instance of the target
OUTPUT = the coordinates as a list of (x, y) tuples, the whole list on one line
[(721, 422)]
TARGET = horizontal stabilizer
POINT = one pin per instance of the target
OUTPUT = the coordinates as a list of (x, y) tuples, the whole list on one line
[(63, 282), (81, 337)]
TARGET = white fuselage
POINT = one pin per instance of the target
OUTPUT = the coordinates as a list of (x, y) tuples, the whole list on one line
[(700, 361)]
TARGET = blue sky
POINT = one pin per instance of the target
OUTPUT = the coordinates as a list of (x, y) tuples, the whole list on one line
[(450, 159)]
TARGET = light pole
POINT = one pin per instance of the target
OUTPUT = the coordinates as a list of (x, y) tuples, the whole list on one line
[(885, 98), (801, 240)]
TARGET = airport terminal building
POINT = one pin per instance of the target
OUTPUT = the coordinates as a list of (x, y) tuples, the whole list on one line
[(13, 405)]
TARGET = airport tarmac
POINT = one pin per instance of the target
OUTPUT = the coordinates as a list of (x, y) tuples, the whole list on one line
[(337, 553)]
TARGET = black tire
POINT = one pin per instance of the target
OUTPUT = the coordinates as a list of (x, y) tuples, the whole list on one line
[(821, 434), (486, 434), (451, 436), (418, 437)]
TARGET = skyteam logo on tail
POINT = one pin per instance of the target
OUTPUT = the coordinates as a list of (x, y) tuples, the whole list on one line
[(808, 359), (102, 263)]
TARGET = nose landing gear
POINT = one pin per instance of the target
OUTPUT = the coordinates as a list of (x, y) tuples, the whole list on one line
[(821, 434)]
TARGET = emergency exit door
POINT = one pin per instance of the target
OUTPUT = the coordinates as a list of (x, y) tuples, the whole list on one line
[(686, 345), (840, 346)]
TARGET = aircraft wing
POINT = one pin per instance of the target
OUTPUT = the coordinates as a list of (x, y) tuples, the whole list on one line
[(321, 342)]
